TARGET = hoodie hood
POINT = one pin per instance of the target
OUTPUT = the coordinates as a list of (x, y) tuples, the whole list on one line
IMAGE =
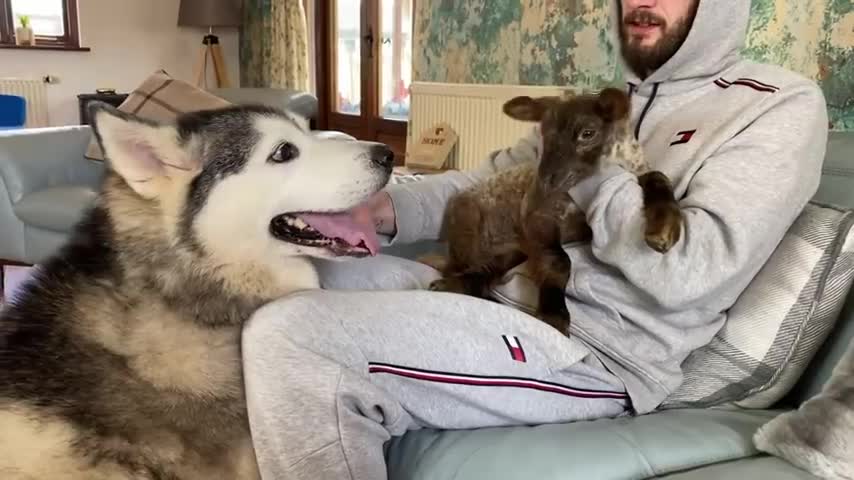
[(713, 45)]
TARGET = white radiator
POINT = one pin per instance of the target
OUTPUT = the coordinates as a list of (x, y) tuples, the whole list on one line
[(474, 112), (35, 92)]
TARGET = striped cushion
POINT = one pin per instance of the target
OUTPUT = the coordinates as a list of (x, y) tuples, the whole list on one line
[(781, 319), (161, 98)]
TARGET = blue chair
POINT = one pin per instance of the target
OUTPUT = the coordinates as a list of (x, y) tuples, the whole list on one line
[(13, 111)]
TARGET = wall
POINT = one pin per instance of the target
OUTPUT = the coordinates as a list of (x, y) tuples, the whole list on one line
[(548, 42), (129, 39)]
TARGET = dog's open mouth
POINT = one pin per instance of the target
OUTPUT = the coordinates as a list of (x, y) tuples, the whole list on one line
[(347, 233)]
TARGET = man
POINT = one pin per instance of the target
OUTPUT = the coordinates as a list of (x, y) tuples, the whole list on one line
[(332, 375)]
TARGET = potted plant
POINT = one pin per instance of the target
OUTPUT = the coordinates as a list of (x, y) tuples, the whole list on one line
[(24, 34)]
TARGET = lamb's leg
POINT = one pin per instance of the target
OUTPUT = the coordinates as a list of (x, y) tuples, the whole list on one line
[(663, 215), (661, 210), (477, 280), (550, 266), (551, 270)]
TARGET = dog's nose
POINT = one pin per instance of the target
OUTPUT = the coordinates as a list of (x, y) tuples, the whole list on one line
[(382, 156)]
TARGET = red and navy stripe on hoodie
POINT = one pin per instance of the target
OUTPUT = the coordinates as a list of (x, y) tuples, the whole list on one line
[(746, 82)]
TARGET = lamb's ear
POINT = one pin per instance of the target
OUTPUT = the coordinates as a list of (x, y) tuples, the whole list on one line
[(613, 104), (146, 154), (528, 109)]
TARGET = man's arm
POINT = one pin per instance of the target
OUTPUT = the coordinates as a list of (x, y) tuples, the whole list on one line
[(737, 207), (413, 211)]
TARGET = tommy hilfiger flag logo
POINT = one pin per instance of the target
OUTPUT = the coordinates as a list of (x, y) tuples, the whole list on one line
[(515, 347), (683, 137)]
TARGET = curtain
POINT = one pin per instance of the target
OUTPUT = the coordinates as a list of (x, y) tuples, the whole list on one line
[(274, 45)]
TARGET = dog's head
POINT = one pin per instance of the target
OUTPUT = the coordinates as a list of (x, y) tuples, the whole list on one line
[(577, 131), (248, 184)]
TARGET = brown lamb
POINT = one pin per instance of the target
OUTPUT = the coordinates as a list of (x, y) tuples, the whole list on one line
[(525, 212)]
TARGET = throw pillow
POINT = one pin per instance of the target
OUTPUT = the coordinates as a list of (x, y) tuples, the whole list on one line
[(775, 327), (780, 321), (819, 436), (161, 97)]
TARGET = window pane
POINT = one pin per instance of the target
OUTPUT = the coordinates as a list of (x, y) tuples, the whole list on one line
[(349, 61), (396, 66), (45, 16)]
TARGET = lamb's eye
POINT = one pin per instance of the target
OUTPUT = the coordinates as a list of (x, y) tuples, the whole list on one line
[(284, 152), (587, 134)]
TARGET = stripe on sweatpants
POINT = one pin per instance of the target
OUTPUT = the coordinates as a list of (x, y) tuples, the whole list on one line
[(489, 381)]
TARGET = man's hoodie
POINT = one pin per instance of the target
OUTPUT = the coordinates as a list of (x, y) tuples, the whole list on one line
[(743, 144)]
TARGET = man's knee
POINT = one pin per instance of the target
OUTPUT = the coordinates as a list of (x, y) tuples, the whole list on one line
[(384, 272), (275, 324), (295, 326)]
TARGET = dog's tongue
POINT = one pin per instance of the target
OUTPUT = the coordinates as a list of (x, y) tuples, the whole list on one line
[(353, 226)]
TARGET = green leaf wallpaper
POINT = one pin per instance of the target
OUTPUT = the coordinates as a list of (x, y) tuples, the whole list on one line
[(561, 42)]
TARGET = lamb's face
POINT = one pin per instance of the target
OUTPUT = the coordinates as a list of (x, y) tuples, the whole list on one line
[(576, 132)]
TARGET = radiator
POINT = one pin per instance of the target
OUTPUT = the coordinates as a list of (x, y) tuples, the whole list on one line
[(474, 112), (35, 92)]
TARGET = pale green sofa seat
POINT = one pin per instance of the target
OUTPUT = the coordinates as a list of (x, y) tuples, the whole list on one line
[(641, 447), (684, 444)]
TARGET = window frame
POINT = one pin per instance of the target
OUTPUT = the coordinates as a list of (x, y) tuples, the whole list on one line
[(369, 124), (69, 41)]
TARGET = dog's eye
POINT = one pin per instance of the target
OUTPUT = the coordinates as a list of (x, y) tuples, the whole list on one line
[(587, 134), (284, 152)]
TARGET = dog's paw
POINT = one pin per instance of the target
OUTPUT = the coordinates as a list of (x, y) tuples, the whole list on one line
[(663, 226)]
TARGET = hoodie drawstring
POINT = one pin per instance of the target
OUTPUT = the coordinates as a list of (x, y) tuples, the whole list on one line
[(646, 109)]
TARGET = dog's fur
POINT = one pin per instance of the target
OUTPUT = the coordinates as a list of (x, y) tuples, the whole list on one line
[(121, 358), (525, 212)]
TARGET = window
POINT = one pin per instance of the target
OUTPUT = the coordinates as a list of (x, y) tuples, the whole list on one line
[(364, 68), (54, 22)]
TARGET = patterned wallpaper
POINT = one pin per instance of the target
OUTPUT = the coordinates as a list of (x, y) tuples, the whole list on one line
[(555, 42)]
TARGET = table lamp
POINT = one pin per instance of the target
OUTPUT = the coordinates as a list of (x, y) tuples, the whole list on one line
[(210, 14)]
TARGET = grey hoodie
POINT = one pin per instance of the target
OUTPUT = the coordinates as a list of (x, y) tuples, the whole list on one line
[(743, 143)]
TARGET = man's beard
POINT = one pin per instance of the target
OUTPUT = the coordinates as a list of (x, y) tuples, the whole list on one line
[(644, 60)]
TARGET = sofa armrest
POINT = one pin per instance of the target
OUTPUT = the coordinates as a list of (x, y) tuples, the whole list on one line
[(33, 159)]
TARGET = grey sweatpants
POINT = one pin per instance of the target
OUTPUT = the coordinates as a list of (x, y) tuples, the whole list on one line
[(331, 375)]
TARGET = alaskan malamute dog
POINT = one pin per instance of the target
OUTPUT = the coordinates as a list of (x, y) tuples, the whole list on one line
[(120, 359)]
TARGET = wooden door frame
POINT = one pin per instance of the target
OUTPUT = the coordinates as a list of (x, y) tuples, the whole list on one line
[(368, 125)]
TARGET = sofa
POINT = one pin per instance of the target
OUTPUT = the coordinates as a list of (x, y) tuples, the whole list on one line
[(45, 180), (45, 183)]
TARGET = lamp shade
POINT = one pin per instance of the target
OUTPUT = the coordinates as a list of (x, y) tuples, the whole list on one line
[(209, 13)]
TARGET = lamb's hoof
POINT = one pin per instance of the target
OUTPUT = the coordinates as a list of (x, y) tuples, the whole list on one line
[(442, 285), (559, 321), (664, 227)]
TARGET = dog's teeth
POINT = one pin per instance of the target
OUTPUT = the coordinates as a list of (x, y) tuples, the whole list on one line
[(299, 223)]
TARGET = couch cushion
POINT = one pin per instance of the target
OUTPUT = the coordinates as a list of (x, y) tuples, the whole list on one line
[(55, 208), (301, 103), (837, 180), (619, 448), (780, 321), (760, 467)]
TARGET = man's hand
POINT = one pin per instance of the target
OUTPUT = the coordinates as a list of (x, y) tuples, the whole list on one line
[(382, 213)]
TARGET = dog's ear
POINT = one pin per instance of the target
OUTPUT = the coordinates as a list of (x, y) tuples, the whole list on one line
[(613, 104), (528, 109), (142, 152)]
